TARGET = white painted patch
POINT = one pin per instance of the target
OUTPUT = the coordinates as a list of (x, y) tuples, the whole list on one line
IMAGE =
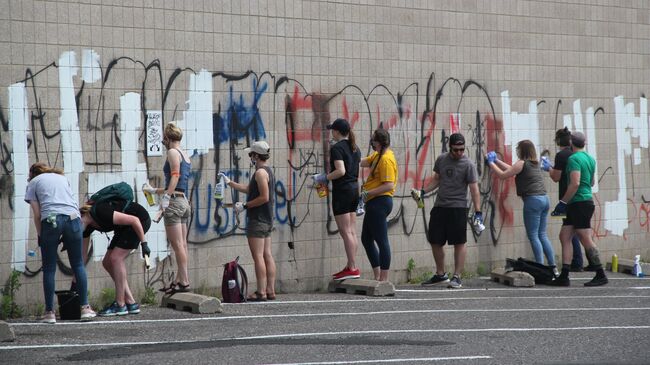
[(628, 126), (18, 126), (197, 119), (519, 126), (73, 162), (577, 124), (90, 66)]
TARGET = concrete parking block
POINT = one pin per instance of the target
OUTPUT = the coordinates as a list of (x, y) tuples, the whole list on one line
[(191, 302), (371, 288), (512, 278), (6, 332)]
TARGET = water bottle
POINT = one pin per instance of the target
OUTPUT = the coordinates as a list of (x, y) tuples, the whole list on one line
[(638, 272), (615, 263), (219, 188), (360, 207)]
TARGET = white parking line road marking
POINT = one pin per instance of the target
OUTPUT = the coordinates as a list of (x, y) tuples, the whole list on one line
[(388, 360), (328, 334), (338, 314)]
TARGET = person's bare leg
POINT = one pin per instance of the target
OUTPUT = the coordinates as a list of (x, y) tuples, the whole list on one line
[(270, 268), (439, 258), (256, 245)]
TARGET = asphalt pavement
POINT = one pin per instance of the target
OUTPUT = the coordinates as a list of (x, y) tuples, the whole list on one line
[(482, 323)]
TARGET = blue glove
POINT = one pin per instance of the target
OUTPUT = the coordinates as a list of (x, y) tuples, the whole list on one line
[(560, 210), (320, 178), (491, 157), (546, 164), (477, 222)]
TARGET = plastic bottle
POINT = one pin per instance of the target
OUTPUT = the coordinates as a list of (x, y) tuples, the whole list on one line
[(322, 190), (615, 263), (31, 253), (219, 188), (421, 201), (148, 196), (147, 262), (361, 207), (638, 272)]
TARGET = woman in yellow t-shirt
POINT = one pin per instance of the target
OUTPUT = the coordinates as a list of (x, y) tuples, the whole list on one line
[(378, 192)]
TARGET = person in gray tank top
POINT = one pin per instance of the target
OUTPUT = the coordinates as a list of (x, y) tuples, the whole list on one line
[(259, 206), (530, 187)]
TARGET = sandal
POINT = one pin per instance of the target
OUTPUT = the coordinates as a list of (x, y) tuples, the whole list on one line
[(257, 297), (270, 296), (180, 288), (171, 289)]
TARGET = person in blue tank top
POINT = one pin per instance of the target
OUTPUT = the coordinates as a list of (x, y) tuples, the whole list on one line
[(259, 206), (175, 205)]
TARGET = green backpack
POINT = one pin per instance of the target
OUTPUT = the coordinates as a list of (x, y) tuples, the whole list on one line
[(118, 191)]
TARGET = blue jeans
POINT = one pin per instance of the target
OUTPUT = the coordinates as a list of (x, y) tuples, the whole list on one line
[(375, 229), (535, 214), (71, 232)]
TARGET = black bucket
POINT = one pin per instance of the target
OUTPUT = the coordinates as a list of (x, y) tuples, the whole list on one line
[(69, 304)]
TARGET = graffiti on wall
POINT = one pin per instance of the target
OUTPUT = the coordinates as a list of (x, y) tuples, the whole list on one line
[(95, 130)]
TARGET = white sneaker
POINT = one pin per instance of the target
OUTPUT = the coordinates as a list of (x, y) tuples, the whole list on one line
[(87, 313), (49, 317)]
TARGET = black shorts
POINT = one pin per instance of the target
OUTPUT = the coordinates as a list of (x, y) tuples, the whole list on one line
[(447, 225), (345, 201), (579, 214), (124, 236)]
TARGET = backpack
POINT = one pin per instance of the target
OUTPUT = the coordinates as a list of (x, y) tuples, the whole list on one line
[(234, 286), (541, 273), (118, 191)]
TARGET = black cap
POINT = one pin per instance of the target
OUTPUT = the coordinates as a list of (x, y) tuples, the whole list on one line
[(340, 125), (456, 139), (578, 139)]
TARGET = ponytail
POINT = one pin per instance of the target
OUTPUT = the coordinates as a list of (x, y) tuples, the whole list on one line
[(352, 140), (383, 137)]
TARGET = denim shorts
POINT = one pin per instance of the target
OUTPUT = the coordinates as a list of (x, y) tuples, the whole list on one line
[(258, 229), (178, 211)]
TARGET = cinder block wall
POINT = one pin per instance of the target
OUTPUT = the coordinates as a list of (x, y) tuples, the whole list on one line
[(79, 80)]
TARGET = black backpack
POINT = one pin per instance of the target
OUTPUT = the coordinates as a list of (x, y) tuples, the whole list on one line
[(234, 286), (541, 273)]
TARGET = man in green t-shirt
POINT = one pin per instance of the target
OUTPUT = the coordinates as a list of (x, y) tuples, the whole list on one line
[(579, 207)]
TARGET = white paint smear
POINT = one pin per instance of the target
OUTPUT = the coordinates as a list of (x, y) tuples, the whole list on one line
[(197, 119), (18, 124), (90, 67), (519, 126)]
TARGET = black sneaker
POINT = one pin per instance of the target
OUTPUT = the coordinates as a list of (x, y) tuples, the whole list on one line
[(437, 280), (560, 281), (597, 281)]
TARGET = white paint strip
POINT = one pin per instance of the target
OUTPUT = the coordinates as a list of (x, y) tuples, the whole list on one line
[(90, 67), (197, 127), (518, 126), (329, 334), (340, 314), (590, 132), (628, 126), (18, 126), (379, 361)]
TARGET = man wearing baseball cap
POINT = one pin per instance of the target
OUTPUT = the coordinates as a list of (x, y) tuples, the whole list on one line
[(453, 172), (578, 206)]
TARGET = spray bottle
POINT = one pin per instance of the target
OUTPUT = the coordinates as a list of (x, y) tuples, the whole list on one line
[(615, 263), (361, 207), (219, 189), (638, 272)]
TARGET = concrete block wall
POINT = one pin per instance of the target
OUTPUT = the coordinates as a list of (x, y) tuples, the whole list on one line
[(77, 79)]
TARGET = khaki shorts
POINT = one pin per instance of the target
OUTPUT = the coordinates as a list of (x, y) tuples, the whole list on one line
[(258, 229), (178, 211)]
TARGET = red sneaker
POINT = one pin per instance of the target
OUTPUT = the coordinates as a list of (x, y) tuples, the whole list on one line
[(347, 274)]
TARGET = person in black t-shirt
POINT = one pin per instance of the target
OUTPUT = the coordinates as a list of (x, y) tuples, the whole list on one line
[(129, 226), (558, 174), (344, 173)]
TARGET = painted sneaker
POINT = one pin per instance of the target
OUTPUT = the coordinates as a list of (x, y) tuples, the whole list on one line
[(49, 317), (133, 308), (114, 310), (87, 313), (437, 280), (347, 274), (455, 283)]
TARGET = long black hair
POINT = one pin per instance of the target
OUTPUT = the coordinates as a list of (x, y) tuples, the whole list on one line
[(383, 137)]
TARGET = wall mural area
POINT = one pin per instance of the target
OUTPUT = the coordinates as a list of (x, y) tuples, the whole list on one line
[(90, 117)]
